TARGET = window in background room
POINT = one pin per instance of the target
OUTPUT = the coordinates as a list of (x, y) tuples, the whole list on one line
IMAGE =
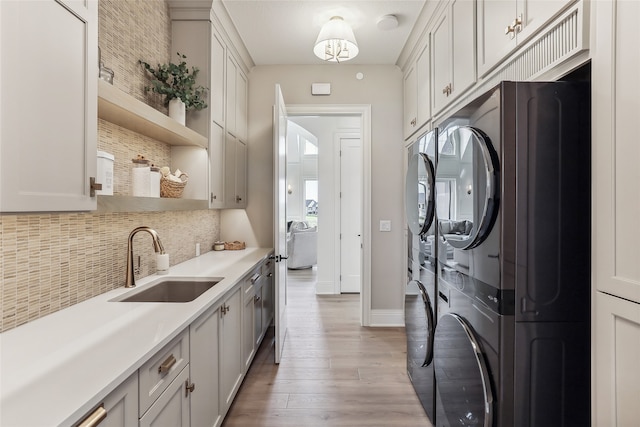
[(311, 197)]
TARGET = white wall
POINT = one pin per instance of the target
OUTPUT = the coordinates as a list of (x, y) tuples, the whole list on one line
[(382, 89)]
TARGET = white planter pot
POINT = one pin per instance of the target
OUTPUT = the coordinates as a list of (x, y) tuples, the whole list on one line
[(177, 111)]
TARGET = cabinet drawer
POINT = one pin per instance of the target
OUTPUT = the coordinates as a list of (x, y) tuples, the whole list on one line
[(250, 282), (161, 369)]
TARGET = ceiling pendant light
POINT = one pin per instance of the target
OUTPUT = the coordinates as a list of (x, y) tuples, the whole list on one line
[(336, 42)]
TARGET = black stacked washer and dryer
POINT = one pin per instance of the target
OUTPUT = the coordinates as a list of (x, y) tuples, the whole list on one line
[(512, 339)]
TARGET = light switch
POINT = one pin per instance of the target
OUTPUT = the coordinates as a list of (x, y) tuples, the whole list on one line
[(385, 225)]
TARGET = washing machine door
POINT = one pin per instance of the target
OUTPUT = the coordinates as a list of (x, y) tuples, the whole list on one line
[(468, 190), (464, 396), (420, 195), (420, 328)]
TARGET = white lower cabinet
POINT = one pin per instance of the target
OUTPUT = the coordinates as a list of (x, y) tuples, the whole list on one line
[(172, 407), (193, 380), (203, 339)]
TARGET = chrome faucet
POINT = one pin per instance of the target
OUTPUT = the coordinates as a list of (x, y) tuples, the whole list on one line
[(157, 247)]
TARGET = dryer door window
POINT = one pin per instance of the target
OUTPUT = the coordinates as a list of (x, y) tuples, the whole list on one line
[(420, 201), (464, 396), (468, 189)]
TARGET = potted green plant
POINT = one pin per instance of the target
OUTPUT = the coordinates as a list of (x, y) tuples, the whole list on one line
[(178, 84)]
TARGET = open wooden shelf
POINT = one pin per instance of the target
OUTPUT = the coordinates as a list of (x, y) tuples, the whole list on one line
[(148, 204), (119, 108)]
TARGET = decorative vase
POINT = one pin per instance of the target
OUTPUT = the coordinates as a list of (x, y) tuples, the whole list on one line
[(177, 111)]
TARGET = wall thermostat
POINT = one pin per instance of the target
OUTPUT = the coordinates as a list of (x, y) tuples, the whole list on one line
[(320, 88)]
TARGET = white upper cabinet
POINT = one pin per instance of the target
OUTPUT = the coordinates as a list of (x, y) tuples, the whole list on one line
[(504, 24), (417, 101), (454, 49), (48, 119)]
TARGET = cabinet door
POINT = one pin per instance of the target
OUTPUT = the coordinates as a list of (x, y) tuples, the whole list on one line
[(216, 167), (205, 403), (218, 60), (172, 407), (258, 316), (493, 18), (267, 299), (248, 325), (48, 125), (230, 149), (241, 174), (440, 43), (230, 349), (423, 71), (536, 13), (616, 104), (410, 101), (231, 92), (463, 49), (241, 106), (617, 381)]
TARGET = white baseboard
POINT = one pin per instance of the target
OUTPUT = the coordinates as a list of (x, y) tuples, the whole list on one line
[(325, 288), (387, 318)]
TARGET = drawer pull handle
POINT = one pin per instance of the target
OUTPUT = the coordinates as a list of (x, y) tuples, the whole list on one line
[(255, 278), (94, 418), (167, 364)]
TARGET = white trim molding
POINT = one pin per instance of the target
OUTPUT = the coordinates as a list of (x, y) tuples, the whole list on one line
[(387, 318)]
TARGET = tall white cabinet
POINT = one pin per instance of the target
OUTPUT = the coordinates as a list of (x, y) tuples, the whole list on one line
[(615, 261), (48, 105), (224, 122)]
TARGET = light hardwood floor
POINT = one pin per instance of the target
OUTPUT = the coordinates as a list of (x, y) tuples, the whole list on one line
[(333, 371)]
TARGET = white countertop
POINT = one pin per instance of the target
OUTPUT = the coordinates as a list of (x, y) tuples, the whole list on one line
[(55, 369)]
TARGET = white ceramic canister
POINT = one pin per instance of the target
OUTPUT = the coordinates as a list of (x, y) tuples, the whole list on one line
[(154, 182), (140, 178)]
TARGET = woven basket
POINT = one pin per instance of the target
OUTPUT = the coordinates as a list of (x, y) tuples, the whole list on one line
[(171, 189), (234, 246)]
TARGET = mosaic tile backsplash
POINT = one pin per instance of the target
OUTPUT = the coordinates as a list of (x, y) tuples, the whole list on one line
[(52, 261)]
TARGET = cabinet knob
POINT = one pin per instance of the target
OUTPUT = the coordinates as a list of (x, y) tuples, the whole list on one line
[(238, 199), (213, 197), (509, 30), (256, 298), (188, 388)]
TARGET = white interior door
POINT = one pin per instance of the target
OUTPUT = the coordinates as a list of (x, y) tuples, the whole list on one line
[(280, 217), (350, 214)]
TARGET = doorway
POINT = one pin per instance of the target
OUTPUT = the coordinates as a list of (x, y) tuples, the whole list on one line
[(328, 215)]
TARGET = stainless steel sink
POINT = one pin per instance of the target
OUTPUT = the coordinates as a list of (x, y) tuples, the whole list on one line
[(172, 290)]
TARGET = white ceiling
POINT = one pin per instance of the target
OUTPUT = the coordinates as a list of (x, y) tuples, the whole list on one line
[(284, 31)]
